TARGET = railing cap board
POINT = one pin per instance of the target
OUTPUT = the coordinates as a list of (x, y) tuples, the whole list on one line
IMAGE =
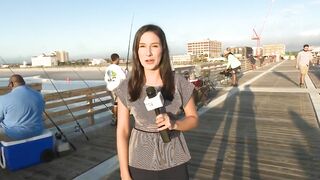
[(36, 86), (75, 92)]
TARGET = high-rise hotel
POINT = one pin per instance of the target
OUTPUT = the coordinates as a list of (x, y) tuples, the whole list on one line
[(62, 56), (207, 47)]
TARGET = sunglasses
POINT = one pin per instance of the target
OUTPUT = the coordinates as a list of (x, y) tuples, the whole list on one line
[(10, 84)]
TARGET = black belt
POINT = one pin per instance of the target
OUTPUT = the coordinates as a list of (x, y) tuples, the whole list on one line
[(145, 131)]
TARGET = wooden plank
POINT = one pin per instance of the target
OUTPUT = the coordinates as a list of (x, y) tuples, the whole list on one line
[(35, 86), (77, 99), (68, 119), (76, 92)]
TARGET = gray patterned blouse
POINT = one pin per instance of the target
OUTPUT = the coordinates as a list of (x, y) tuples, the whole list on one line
[(146, 148)]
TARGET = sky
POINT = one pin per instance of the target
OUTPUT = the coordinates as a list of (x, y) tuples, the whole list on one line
[(97, 28)]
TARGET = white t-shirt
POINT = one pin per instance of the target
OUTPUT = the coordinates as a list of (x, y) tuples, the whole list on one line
[(114, 75), (233, 62), (304, 58)]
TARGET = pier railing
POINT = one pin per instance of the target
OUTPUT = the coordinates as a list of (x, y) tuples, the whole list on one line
[(211, 70), (83, 103), (36, 86)]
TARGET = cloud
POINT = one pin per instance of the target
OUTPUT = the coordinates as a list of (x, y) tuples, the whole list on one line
[(311, 32), (292, 11)]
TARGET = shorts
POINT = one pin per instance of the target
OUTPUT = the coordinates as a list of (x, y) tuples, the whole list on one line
[(178, 172), (3, 136), (304, 69), (235, 70), (114, 97)]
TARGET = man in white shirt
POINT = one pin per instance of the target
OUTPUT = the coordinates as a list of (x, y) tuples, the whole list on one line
[(303, 60), (113, 76), (234, 64)]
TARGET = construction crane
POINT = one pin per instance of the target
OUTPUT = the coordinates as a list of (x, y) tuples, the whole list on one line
[(257, 36)]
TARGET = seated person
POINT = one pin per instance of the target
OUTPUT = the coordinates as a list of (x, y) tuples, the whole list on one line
[(20, 111)]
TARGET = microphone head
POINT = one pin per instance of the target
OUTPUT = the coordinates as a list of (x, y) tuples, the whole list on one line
[(151, 92)]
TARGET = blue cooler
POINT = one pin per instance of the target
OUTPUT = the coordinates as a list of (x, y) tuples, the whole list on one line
[(26, 152)]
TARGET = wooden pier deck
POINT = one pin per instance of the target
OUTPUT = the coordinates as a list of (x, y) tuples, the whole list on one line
[(264, 129), (267, 128)]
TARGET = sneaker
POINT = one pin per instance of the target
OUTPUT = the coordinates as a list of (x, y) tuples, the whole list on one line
[(301, 85)]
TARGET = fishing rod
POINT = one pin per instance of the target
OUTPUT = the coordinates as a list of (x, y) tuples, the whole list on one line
[(102, 73), (127, 60), (6, 63), (64, 102), (127, 63), (55, 125), (128, 52), (60, 131), (108, 108)]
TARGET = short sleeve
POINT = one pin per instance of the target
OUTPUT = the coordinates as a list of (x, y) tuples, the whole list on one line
[(122, 92), (185, 89)]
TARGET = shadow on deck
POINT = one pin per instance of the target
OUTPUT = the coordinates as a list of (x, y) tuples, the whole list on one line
[(100, 147)]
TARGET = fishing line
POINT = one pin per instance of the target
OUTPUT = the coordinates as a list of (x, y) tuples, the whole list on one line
[(74, 118), (55, 125)]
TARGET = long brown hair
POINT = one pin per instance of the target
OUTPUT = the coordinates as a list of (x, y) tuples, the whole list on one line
[(138, 79)]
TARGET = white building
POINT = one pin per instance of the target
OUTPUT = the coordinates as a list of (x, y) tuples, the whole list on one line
[(274, 50), (183, 59), (44, 60), (24, 64), (316, 51), (96, 62), (62, 56), (208, 48)]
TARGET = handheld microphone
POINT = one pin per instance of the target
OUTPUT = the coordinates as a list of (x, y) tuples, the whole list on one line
[(151, 93)]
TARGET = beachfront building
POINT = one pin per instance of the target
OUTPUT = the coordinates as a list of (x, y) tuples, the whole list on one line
[(242, 52), (257, 51), (185, 59), (62, 56), (24, 64), (44, 60), (316, 54), (315, 51), (274, 50), (96, 62), (207, 48)]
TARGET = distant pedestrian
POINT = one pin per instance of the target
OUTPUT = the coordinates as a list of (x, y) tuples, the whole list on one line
[(303, 60), (20, 111), (233, 66), (113, 76), (252, 62)]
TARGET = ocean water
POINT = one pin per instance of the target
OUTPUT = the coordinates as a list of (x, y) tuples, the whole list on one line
[(50, 85), (63, 85)]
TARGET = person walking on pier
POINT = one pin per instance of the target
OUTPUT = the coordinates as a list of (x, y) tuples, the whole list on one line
[(20, 111), (113, 76), (146, 155), (303, 60), (234, 64)]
